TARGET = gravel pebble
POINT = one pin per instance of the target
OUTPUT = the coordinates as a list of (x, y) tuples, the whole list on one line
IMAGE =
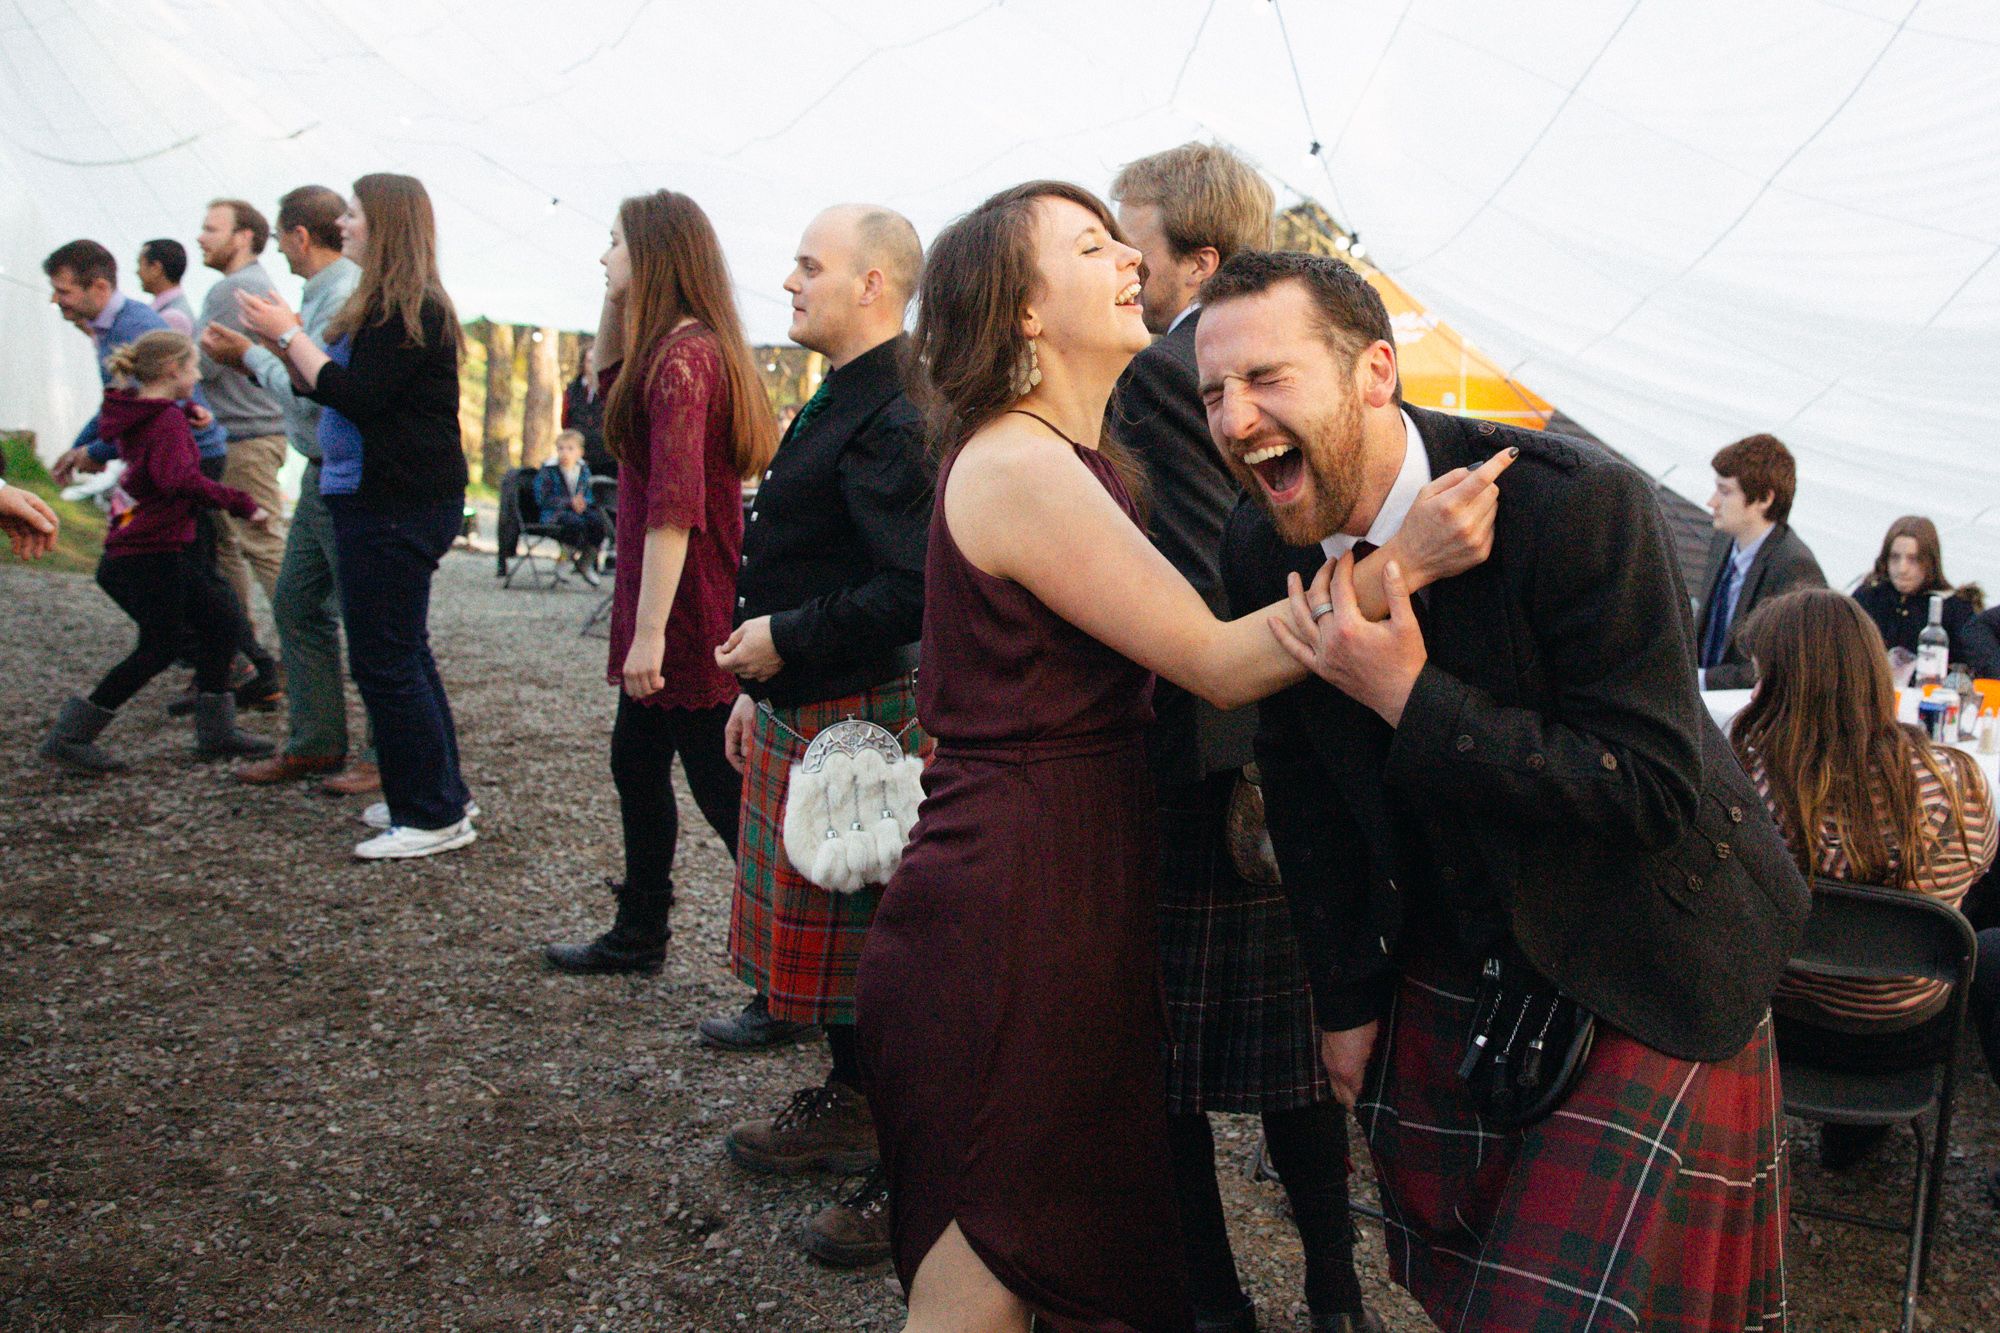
[(251, 1082)]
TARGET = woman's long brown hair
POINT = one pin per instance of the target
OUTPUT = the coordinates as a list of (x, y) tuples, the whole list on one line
[(678, 273), (978, 282), (399, 268), (1930, 550), (1823, 727)]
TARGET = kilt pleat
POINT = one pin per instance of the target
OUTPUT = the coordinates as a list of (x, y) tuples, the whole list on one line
[(1653, 1199), (1240, 1032), (793, 941)]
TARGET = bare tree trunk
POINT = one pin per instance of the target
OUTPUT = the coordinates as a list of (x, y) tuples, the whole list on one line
[(496, 452), (539, 412)]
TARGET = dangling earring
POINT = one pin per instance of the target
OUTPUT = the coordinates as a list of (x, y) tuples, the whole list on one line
[(1028, 373)]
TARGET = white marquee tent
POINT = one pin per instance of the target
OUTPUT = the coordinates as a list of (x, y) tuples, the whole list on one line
[(1679, 220)]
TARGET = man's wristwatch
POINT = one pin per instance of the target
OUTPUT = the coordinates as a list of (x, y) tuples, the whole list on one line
[(285, 338)]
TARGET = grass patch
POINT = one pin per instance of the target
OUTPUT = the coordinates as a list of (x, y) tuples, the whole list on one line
[(80, 540)]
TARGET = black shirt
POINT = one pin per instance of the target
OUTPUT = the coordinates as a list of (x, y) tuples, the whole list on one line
[(833, 546), (403, 398), (1901, 619)]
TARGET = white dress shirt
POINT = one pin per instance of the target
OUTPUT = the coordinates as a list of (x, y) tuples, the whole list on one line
[(1416, 475)]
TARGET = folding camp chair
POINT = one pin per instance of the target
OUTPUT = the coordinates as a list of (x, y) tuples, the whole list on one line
[(1862, 933), (516, 503)]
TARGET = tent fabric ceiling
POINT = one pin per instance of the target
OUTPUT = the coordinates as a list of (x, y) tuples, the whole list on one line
[(1681, 221)]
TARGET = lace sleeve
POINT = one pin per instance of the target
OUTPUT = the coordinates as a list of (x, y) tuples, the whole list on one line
[(680, 404)]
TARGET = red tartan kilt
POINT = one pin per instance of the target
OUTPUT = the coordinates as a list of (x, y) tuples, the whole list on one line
[(794, 942), (1653, 1199)]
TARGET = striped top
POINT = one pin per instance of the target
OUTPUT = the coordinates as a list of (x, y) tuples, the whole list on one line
[(1844, 1005)]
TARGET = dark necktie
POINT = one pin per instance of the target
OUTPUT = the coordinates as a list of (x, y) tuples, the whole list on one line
[(1716, 642), (812, 408), (1363, 549)]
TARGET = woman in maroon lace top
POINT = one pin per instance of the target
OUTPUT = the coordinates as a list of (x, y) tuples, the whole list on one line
[(688, 420)]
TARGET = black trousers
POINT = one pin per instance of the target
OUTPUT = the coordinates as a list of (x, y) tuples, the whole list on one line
[(644, 741), (177, 607)]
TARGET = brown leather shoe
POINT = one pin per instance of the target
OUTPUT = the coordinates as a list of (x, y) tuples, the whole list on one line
[(360, 778), (854, 1233), (821, 1129), (287, 768)]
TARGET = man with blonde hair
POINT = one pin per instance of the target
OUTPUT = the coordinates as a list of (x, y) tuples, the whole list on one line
[(1239, 1010)]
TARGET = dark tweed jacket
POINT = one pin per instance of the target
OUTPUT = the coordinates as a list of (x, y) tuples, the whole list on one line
[(1555, 777)]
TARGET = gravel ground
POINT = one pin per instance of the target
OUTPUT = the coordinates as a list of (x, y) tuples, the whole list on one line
[(251, 1082)]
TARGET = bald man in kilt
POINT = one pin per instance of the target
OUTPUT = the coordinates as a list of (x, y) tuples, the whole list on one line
[(1504, 820), (829, 608)]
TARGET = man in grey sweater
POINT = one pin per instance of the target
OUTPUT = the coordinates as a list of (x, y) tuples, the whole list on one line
[(233, 234), (307, 605)]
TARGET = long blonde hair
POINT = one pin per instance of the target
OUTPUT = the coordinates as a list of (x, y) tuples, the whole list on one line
[(149, 358), (399, 268), (678, 273)]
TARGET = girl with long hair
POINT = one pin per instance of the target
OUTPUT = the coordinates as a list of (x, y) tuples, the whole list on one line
[(1009, 994), (150, 567), (1897, 594), (687, 419), (393, 476), (1863, 798)]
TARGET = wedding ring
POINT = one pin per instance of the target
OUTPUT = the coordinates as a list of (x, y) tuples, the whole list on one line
[(1323, 609)]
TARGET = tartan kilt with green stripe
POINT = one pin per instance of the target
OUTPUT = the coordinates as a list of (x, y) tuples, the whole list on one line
[(795, 942)]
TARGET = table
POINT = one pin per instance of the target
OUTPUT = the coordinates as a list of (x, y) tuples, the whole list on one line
[(1724, 705)]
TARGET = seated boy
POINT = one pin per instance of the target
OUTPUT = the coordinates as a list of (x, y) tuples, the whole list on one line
[(564, 497)]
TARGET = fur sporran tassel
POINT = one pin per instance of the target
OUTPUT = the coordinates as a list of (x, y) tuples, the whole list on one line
[(849, 811)]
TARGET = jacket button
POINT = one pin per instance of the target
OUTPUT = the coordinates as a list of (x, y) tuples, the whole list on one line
[(1722, 851), (1537, 763), (1485, 428), (1449, 874), (1736, 814), (1464, 744), (739, 601), (1610, 762), (1694, 881), (753, 516)]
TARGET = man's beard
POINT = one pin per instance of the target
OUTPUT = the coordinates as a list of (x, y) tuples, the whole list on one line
[(1330, 452)]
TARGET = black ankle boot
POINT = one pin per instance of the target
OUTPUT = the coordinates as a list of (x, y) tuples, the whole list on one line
[(606, 954)]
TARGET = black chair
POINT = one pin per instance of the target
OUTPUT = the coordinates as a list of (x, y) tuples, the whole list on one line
[(604, 490), (1860, 933), (517, 501)]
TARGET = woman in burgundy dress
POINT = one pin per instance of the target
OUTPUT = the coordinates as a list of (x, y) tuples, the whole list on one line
[(687, 418), (1009, 995)]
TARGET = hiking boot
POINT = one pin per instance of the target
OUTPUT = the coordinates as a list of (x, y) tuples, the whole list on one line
[(753, 1030), (854, 1233), (821, 1129), (216, 735), (71, 742), (288, 768)]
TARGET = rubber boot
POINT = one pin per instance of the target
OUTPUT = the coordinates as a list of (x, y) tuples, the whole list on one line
[(71, 742), (215, 733)]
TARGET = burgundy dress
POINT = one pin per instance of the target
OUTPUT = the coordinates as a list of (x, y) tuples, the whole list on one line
[(1009, 995)]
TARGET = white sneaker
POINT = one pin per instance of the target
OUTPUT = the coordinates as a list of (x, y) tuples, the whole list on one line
[(377, 815), (396, 844)]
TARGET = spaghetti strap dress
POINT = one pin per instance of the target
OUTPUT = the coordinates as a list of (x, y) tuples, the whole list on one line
[(1010, 1012)]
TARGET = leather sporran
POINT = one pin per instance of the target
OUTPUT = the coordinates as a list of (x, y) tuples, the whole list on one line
[(1528, 1045), (1250, 848), (850, 804)]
